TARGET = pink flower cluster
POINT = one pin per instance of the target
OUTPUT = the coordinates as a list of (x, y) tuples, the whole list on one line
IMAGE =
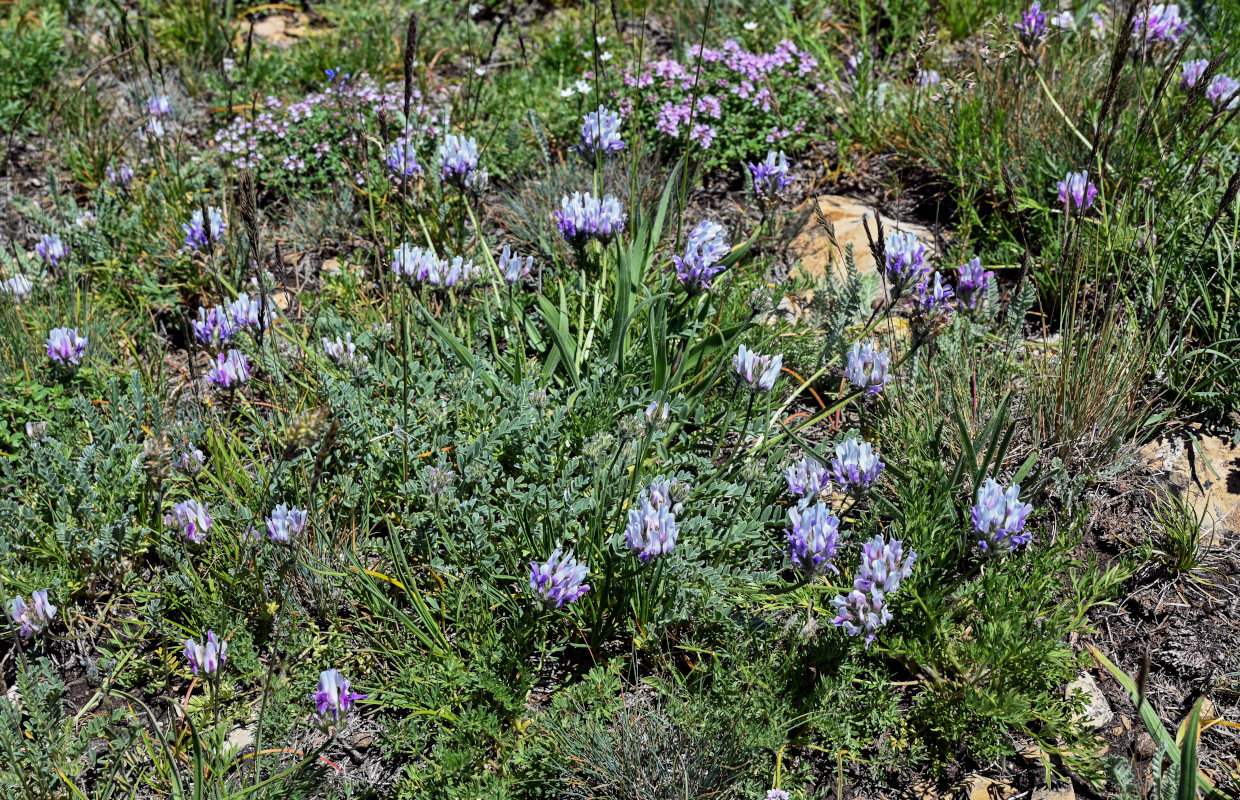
[(295, 138), (738, 95)]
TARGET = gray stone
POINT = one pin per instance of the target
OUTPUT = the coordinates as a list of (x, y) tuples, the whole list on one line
[(1097, 711)]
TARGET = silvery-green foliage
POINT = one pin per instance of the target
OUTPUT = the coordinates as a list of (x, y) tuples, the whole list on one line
[(88, 492)]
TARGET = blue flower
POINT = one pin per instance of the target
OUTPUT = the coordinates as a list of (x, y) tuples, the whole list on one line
[(864, 610), (867, 367), (855, 466), (698, 265), (770, 177), (813, 538), (558, 580), (905, 258), (200, 235), (600, 132), (973, 283), (583, 217), (755, 369)]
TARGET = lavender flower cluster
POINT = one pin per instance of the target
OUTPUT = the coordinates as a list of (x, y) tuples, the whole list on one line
[(559, 580), (770, 176), (758, 372), (334, 698), (1223, 91), (748, 97), (999, 519), (813, 538), (652, 528), (206, 657), (52, 249), (286, 524), (583, 217), (202, 234), (33, 618), (17, 287), (698, 264), (191, 519), (421, 265), (865, 609), (65, 347), (856, 466), (1160, 24), (217, 325), (905, 266), (229, 369), (868, 367), (600, 133)]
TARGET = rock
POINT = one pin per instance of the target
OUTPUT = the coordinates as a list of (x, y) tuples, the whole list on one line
[(331, 267), (1208, 477), (241, 738), (1061, 793), (362, 741), (1145, 746), (977, 787), (813, 247), (791, 309), (1097, 710), (279, 29)]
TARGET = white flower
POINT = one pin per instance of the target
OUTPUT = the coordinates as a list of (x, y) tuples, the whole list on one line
[(605, 55), (600, 39), (569, 92), (582, 86), (480, 71), (1064, 21), (750, 26), (588, 55)]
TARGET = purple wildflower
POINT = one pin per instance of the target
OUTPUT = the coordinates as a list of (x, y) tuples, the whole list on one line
[(813, 539), (933, 298), (755, 369), (416, 264), (247, 311), (698, 265), (207, 657), (558, 580), (334, 697), (600, 132), (52, 249), (191, 519), (121, 176), (855, 466), (807, 478), (1033, 24), (867, 367), (1162, 23), (512, 267), (583, 217), (1077, 192), (402, 162), (652, 528), (17, 287), (65, 347), (229, 369), (213, 327), (1222, 92), (458, 157), (905, 258), (189, 461), (1192, 71), (999, 518), (927, 78), (973, 283), (159, 106), (285, 524), (33, 618), (776, 794), (770, 177), (883, 566), (342, 352), (200, 235)]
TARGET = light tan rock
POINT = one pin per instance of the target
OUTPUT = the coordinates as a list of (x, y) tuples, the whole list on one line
[(1097, 711), (977, 787), (1208, 477), (813, 248)]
